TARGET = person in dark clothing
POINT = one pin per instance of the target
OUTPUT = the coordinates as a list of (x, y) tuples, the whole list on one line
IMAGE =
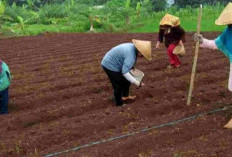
[(172, 34)]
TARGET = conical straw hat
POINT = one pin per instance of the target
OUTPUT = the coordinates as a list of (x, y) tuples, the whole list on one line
[(226, 16), (170, 20), (144, 47)]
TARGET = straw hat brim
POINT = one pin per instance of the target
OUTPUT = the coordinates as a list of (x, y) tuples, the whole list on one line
[(144, 47), (226, 16), (228, 125)]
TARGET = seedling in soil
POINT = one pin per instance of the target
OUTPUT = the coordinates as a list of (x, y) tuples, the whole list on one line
[(171, 142), (3, 147), (126, 129), (65, 132), (189, 153), (18, 147), (54, 123), (76, 144), (145, 154), (31, 123), (35, 153), (125, 114), (111, 132), (203, 138), (98, 90), (223, 144), (154, 132), (222, 94)]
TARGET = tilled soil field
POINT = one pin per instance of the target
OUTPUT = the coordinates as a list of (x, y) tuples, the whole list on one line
[(61, 100)]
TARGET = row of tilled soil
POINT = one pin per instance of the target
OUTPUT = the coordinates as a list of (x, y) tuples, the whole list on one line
[(61, 98)]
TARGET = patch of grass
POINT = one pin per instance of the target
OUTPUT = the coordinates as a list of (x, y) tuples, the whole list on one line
[(188, 18), (36, 29)]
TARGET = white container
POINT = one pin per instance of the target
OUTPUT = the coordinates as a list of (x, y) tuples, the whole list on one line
[(137, 74)]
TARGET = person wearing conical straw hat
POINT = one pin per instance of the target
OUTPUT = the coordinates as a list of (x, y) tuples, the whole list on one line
[(117, 64), (172, 34), (223, 42)]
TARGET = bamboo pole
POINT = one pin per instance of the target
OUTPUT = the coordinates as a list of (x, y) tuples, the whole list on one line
[(195, 58)]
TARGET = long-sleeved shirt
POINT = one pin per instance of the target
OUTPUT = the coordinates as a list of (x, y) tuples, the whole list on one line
[(171, 35), (222, 42), (122, 58), (210, 44), (5, 77)]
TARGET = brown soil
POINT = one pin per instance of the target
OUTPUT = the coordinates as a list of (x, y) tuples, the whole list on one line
[(60, 98)]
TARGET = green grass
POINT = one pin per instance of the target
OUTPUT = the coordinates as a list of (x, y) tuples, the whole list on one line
[(190, 25), (36, 29), (148, 23), (188, 19), (40, 28), (149, 26)]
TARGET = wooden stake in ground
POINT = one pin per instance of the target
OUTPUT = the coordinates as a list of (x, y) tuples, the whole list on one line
[(195, 58)]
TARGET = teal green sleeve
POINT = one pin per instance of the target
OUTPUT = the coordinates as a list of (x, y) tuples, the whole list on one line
[(222, 48), (221, 42), (5, 77)]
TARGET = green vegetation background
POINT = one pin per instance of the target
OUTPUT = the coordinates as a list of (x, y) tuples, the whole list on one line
[(33, 17)]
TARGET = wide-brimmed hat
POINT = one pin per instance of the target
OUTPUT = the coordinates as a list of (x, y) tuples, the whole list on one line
[(144, 47), (226, 16), (171, 20)]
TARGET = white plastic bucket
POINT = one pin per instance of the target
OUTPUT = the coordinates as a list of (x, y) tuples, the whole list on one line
[(137, 74)]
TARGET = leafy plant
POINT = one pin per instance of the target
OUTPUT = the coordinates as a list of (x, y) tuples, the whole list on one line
[(2, 8), (138, 9), (22, 22), (158, 5)]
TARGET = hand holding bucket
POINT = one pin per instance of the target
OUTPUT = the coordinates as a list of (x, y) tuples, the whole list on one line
[(138, 75)]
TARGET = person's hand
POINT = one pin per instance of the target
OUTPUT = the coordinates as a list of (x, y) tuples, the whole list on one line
[(142, 84), (198, 38), (157, 45), (180, 42)]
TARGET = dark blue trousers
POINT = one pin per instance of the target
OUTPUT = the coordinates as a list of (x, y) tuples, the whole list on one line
[(4, 101)]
